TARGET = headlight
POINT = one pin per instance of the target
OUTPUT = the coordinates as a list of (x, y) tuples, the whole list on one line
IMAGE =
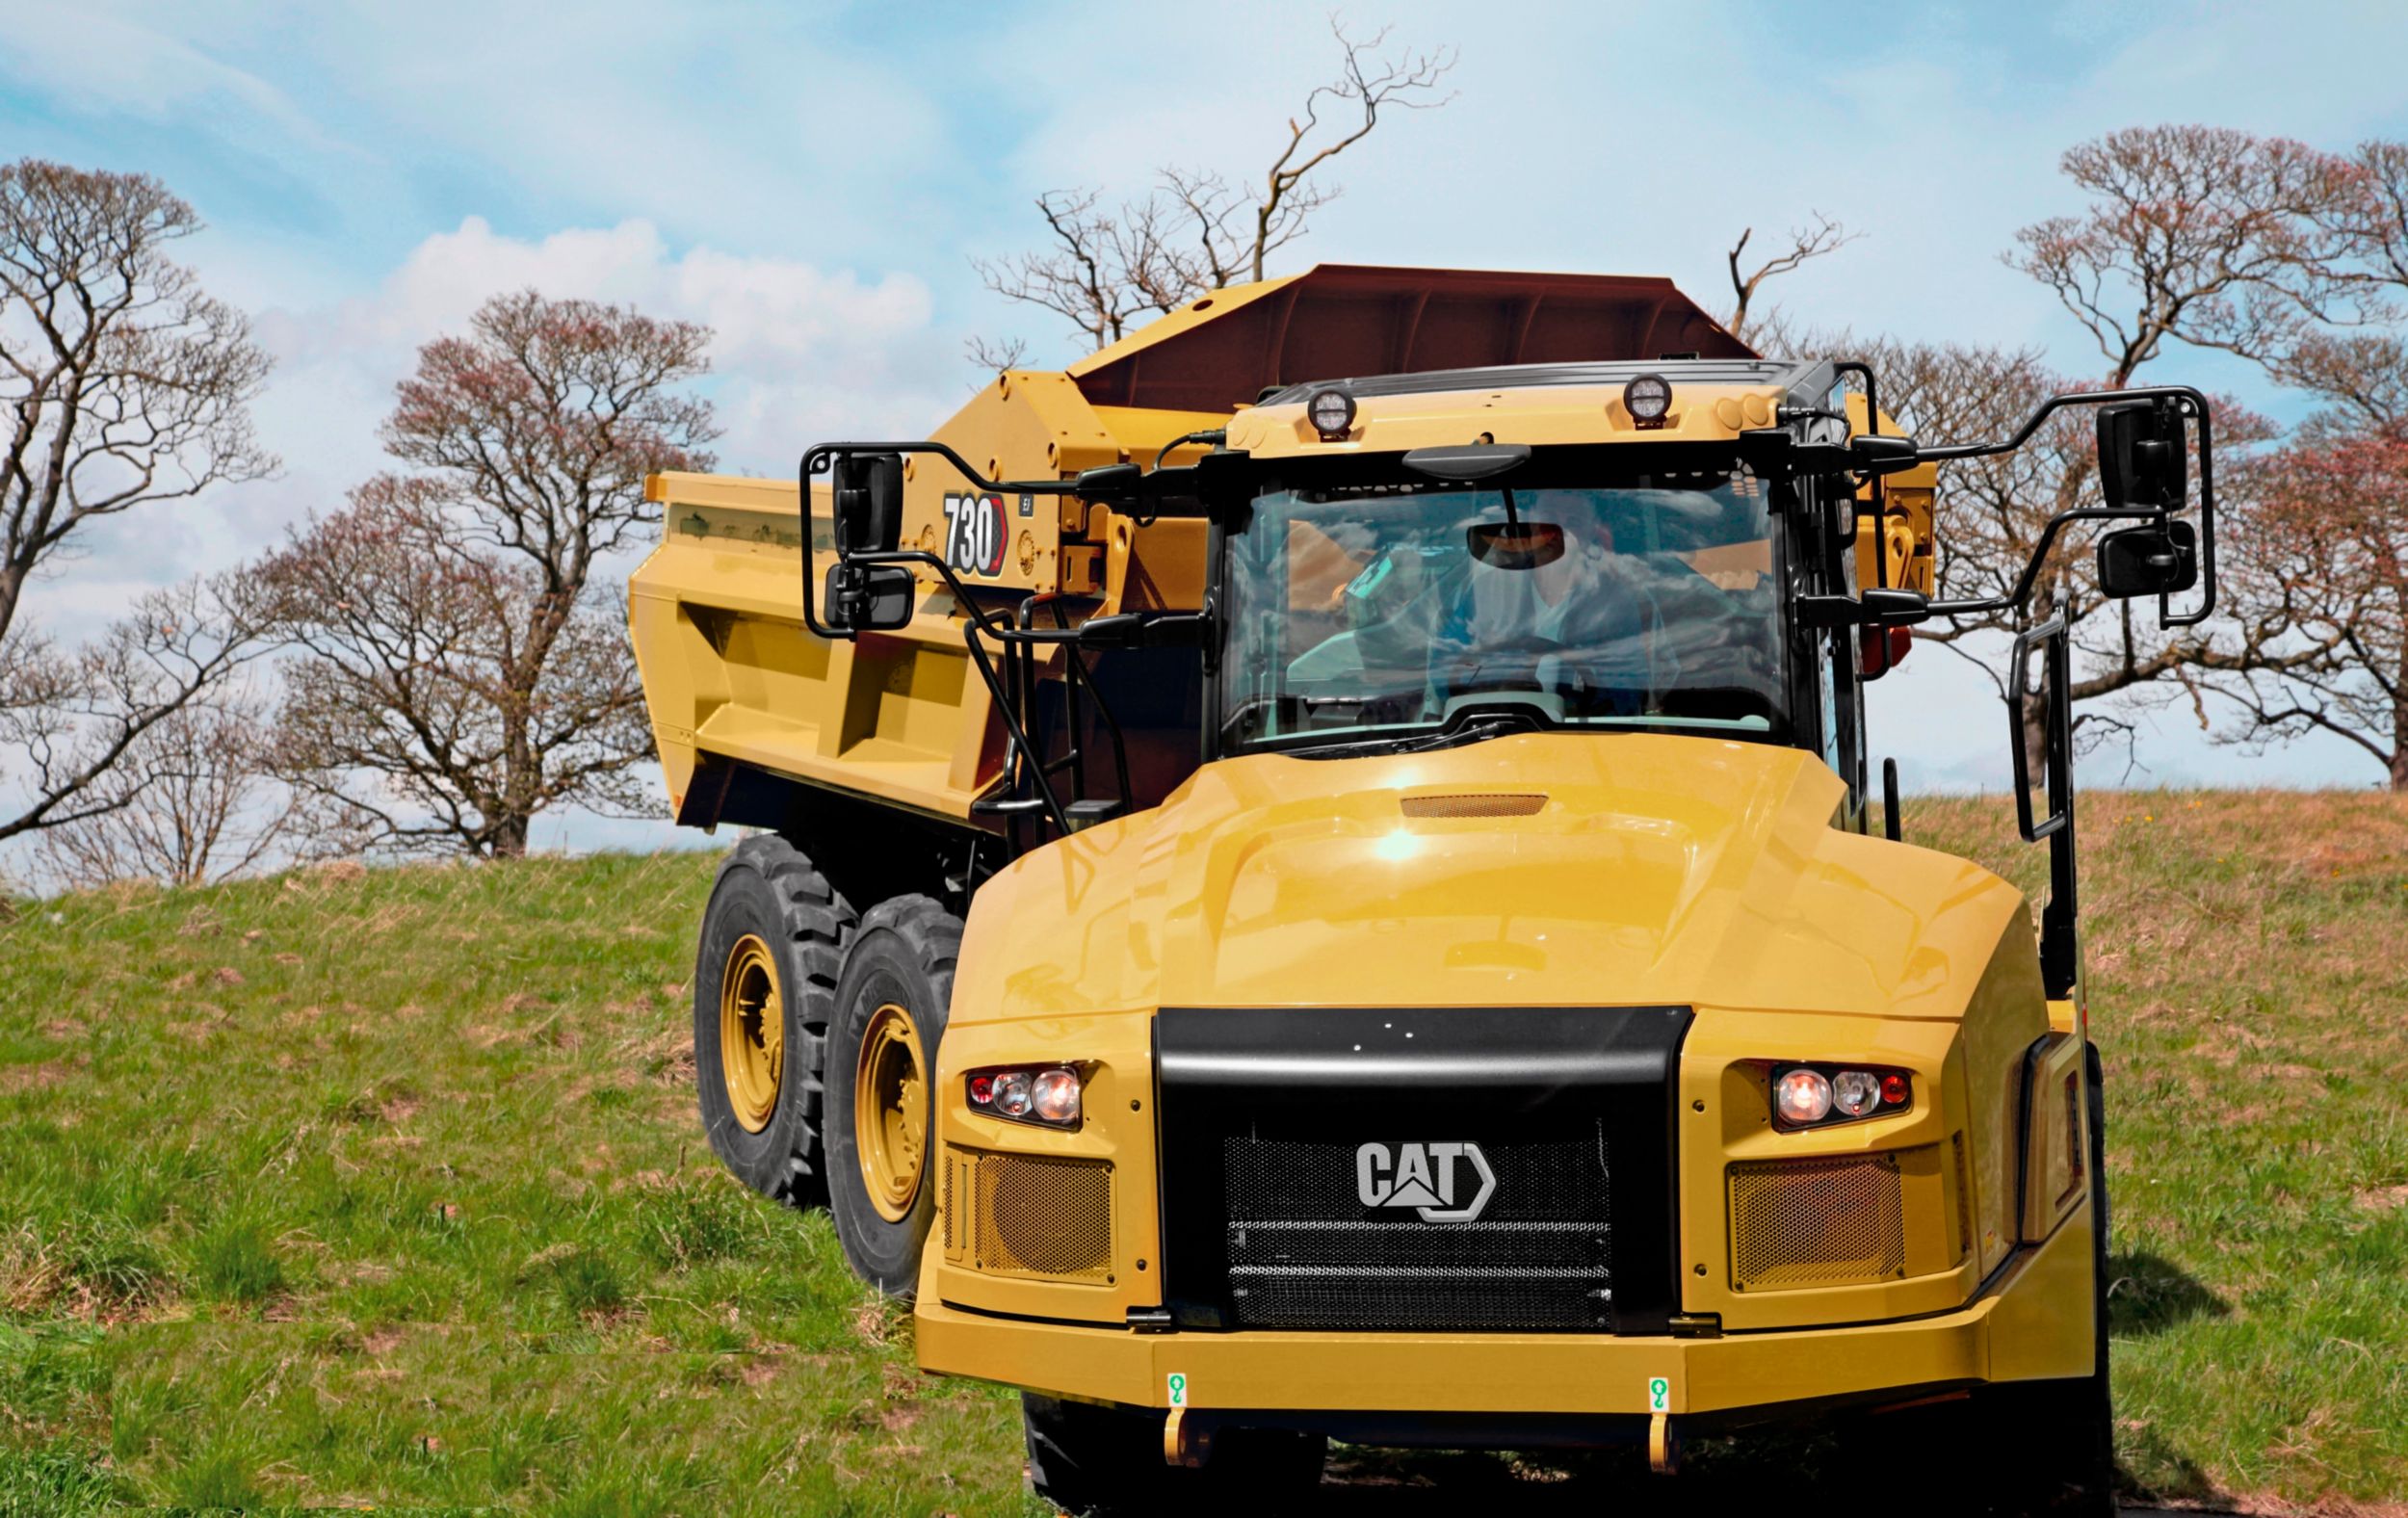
[(1819, 1095), (1802, 1097), (1046, 1095)]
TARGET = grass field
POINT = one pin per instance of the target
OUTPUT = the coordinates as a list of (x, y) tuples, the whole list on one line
[(385, 1187)]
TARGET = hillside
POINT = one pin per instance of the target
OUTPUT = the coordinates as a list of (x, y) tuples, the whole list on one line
[(385, 1187)]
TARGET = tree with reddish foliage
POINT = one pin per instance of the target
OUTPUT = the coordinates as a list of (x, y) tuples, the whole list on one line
[(2326, 576), (464, 664), (2204, 235), (2192, 235), (2298, 260)]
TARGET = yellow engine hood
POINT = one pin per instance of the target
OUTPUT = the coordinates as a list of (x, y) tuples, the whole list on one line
[(1655, 870)]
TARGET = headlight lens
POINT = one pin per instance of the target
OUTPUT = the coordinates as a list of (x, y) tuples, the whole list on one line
[(1055, 1095), (1802, 1097), (1855, 1093), (1047, 1096), (1816, 1095)]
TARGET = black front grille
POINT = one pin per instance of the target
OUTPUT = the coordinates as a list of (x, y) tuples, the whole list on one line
[(1304, 1252), (1274, 1217)]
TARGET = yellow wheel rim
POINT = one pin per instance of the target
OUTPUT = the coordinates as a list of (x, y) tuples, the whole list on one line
[(890, 1111), (753, 1032)]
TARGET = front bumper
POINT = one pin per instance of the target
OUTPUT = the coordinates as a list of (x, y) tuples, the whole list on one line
[(2033, 1321)]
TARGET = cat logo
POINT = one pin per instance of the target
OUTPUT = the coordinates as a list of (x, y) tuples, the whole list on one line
[(1425, 1177)]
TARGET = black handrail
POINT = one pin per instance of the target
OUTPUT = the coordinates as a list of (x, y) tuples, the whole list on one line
[(1013, 689), (2059, 956)]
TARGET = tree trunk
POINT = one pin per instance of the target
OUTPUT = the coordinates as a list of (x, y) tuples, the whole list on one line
[(509, 838), (11, 587)]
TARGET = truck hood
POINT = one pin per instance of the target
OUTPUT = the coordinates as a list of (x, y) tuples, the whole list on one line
[(1551, 869)]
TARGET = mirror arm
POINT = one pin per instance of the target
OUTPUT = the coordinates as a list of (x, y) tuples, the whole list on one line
[(2193, 402)]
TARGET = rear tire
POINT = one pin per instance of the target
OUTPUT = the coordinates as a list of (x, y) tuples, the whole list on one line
[(773, 940), (887, 1021), (1100, 1461)]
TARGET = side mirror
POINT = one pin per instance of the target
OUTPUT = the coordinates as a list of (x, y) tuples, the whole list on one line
[(869, 598), (1516, 546), (2149, 561), (2141, 454), (868, 505)]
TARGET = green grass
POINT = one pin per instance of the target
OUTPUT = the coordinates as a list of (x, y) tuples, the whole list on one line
[(334, 1191)]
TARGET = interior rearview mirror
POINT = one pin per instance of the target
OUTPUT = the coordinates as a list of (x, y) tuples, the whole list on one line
[(2149, 560), (2142, 455), (868, 504), (869, 598), (1516, 546)]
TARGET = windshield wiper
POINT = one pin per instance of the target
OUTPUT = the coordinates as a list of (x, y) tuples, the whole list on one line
[(1478, 727)]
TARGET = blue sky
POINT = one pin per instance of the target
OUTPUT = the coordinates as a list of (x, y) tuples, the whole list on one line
[(815, 179)]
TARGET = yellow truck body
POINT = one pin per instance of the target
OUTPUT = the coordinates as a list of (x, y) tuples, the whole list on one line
[(1313, 937)]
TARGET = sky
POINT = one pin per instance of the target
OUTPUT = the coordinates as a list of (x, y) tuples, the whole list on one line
[(814, 180)]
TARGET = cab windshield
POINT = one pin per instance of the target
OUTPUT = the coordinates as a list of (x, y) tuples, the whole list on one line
[(1359, 612)]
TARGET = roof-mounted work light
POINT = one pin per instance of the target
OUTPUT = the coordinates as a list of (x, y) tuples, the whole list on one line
[(1648, 398), (1332, 413)]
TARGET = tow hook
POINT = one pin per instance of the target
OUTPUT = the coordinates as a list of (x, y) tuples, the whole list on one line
[(1663, 1445), (1186, 1441)]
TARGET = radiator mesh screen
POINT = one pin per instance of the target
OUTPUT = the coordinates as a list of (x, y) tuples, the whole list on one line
[(1035, 1215), (1838, 1221)]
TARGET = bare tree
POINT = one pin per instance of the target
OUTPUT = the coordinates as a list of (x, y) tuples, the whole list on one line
[(996, 355), (1103, 269), (126, 386), (1822, 235), (1195, 231), (70, 718), (2206, 235), (194, 804), (464, 664)]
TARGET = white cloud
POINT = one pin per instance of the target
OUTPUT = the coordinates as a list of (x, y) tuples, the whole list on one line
[(799, 353)]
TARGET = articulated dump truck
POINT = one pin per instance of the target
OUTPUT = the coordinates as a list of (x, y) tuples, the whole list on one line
[(1318, 874)]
